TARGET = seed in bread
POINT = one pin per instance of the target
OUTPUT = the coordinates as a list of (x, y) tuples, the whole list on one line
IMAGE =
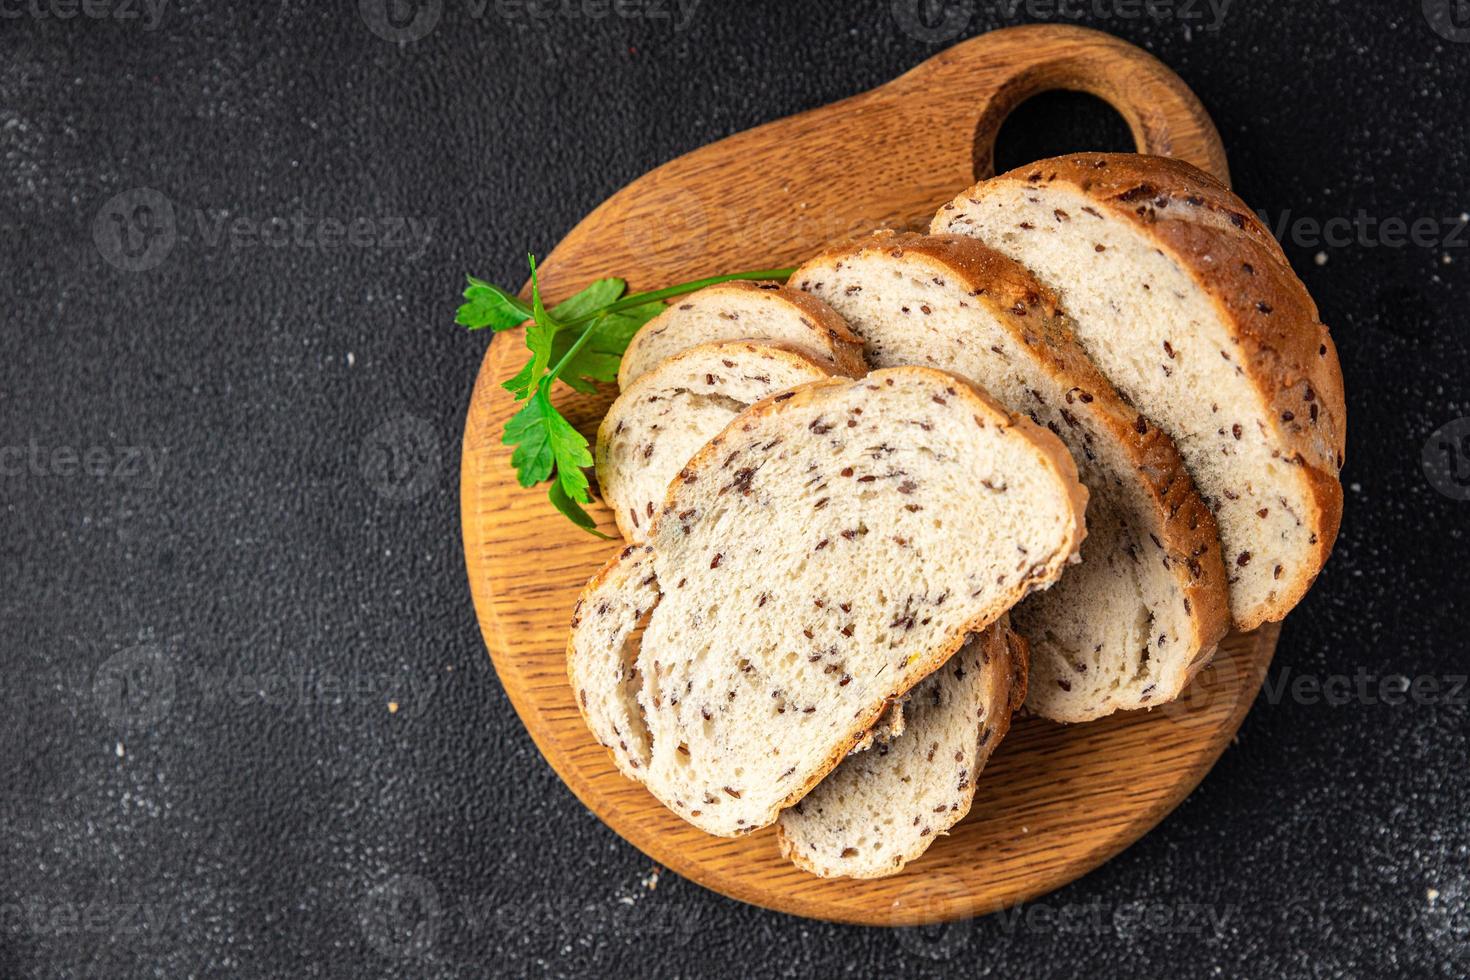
[(883, 808), (811, 571), (743, 310), (1128, 627), (1185, 301), (668, 413)]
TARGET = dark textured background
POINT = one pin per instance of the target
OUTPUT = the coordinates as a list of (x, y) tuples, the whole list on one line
[(201, 775)]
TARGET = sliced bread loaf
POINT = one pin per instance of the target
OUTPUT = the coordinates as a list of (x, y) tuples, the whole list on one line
[(883, 808), (1145, 609), (668, 413), (1185, 301), (811, 572), (744, 310)]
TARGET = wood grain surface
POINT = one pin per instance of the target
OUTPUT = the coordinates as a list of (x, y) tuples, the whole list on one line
[(1056, 801)]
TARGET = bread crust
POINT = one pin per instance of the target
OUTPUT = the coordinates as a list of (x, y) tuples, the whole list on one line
[(830, 333), (1191, 536), (795, 355), (1285, 348), (1006, 692), (987, 410)]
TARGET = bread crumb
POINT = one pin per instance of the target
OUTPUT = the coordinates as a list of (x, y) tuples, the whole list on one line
[(651, 880), (120, 752), (392, 707), (1432, 894), (1321, 258)]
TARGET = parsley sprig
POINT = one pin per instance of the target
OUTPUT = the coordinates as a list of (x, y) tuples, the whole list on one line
[(580, 342)]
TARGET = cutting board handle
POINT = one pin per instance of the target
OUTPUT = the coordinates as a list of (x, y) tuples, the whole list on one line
[(1014, 64)]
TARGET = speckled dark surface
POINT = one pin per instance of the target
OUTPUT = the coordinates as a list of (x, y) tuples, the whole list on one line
[(250, 520)]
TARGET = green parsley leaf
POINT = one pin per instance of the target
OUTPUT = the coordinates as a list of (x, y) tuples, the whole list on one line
[(490, 306), (598, 358), (573, 511), (546, 442), (581, 342), (603, 292)]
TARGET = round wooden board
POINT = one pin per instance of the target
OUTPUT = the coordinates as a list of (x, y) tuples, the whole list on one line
[(1056, 801)]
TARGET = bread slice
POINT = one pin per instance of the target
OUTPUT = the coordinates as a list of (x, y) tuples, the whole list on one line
[(810, 574), (667, 415), (603, 668), (743, 310), (1185, 301), (1130, 626), (882, 809)]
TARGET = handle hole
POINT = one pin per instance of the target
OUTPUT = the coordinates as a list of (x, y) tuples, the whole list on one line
[(1055, 123)]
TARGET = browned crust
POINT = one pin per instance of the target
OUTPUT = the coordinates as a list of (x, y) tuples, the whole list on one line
[(1283, 346), (1005, 693), (794, 354), (594, 584), (1028, 310), (830, 333), (1048, 447)]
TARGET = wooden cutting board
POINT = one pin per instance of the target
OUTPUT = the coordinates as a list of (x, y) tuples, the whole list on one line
[(1056, 801)]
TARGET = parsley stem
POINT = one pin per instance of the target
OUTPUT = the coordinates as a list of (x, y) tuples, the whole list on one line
[(639, 299), (577, 345)]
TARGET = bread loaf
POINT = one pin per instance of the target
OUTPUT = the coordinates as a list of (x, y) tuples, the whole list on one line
[(1130, 625), (1186, 302), (810, 571)]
